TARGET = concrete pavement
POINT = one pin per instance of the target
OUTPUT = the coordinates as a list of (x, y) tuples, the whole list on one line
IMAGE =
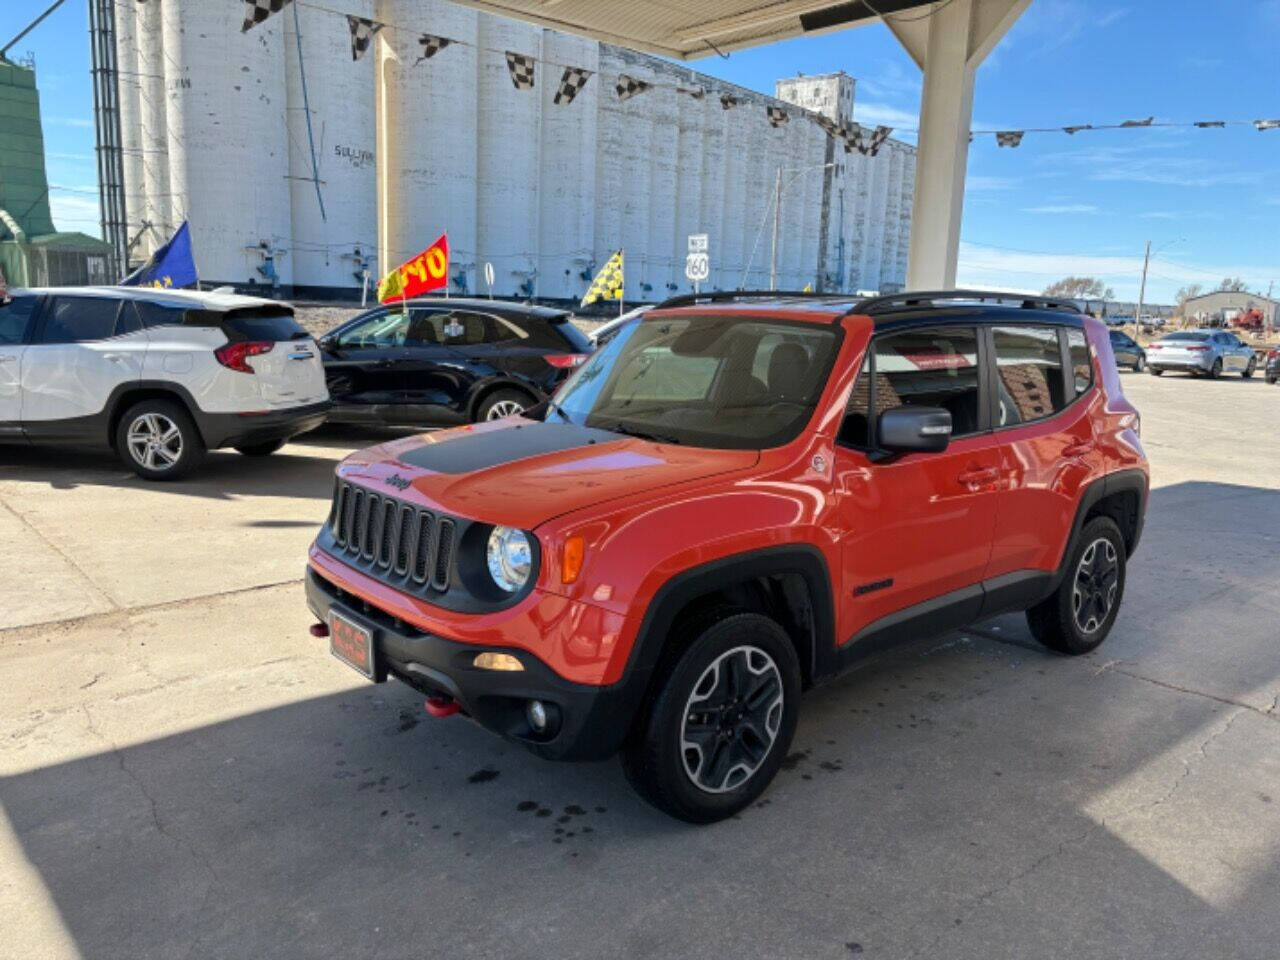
[(185, 772)]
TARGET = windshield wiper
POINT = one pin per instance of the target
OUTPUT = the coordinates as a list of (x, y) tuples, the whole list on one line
[(558, 411), (620, 427)]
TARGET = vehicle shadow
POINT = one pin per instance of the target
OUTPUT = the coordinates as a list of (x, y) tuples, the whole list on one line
[(222, 475), (934, 800)]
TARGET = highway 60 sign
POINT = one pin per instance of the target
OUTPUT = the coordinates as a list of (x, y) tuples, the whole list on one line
[(697, 265)]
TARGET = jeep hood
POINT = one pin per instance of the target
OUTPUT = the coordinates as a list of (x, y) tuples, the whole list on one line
[(522, 473)]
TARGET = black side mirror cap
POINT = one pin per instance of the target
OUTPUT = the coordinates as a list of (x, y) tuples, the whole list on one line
[(914, 430)]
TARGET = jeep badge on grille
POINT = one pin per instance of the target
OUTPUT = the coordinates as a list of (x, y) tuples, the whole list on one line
[(397, 481)]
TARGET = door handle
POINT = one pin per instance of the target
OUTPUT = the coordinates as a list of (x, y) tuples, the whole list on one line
[(115, 357), (976, 477)]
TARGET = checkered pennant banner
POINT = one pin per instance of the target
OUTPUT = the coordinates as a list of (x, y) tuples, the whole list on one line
[(777, 116), (573, 80), (521, 68), (627, 87), (608, 282), (1266, 124), (431, 45), (255, 11), (1138, 123), (1077, 128), (1009, 138), (853, 139), (826, 123), (696, 92), (362, 32), (1203, 124), (878, 137), (727, 101)]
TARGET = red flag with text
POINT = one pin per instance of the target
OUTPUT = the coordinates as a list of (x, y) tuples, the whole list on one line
[(429, 270)]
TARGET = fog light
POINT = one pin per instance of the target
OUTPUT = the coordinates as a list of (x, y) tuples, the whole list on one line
[(536, 712), (497, 661)]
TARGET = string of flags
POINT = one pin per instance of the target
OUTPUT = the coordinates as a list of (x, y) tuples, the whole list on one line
[(522, 69)]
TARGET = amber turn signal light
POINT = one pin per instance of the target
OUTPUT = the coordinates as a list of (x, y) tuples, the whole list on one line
[(571, 563)]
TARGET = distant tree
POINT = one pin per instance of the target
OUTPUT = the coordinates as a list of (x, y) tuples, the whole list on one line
[(1080, 288), (1232, 285), (1189, 292)]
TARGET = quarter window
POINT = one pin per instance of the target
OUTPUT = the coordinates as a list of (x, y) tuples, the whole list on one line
[(1081, 364), (157, 314), (931, 367), (80, 319), (1029, 381)]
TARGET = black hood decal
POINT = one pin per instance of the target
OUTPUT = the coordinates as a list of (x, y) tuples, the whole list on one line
[(479, 451)]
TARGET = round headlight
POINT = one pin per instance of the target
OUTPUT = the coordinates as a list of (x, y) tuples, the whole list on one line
[(510, 558)]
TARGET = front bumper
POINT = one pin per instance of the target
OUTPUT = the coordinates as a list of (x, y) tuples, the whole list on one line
[(242, 429), (592, 720)]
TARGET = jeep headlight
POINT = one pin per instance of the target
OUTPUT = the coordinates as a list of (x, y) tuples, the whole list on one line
[(510, 558)]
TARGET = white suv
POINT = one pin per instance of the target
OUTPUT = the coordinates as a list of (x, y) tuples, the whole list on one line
[(159, 375)]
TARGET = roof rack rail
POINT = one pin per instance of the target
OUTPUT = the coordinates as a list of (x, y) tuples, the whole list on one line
[(921, 299), (722, 296)]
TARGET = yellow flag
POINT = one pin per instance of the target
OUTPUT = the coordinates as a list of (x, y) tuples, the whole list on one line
[(608, 282), (392, 285), (808, 288)]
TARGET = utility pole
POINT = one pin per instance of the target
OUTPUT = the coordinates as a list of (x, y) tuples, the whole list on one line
[(1142, 290), (777, 210)]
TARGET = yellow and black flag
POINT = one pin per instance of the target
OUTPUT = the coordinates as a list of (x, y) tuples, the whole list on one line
[(608, 282)]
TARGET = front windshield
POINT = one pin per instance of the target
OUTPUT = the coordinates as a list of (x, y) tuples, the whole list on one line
[(706, 381)]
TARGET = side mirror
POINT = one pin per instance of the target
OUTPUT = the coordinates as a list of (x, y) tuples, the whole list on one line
[(327, 342), (914, 430)]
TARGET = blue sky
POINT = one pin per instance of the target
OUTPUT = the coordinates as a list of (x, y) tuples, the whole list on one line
[(1056, 205)]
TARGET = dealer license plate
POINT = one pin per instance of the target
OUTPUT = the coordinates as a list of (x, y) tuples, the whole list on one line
[(351, 643)]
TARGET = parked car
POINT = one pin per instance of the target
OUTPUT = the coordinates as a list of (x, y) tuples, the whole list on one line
[(1210, 352), (160, 376), (1128, 351), (448, 361), (1273, 365), (604, 333), (734, 500)]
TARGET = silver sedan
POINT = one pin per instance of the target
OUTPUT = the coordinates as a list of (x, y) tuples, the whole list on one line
[(1211, 352)]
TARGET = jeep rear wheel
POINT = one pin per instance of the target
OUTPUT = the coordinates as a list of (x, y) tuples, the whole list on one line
[(717, 730), (1077, 617)]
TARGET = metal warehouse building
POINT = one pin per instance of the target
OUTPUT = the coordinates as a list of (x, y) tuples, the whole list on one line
[(215, 126), (1223, 304)]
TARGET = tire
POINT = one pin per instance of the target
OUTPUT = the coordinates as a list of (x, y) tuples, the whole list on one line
[(158, 440), (1271, 380), (260, 449), (1247, 372), (1155, 371), (1097, 565), (674, 773), (1140, 364), (500, 403), (1216, 370)]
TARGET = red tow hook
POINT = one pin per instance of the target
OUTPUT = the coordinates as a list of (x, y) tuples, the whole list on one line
[(441, 706), (319, 630)]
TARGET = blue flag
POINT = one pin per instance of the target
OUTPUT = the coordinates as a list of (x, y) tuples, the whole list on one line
[(170, 266)]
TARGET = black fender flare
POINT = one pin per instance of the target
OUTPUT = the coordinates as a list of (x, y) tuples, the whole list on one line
[(1131, 480)]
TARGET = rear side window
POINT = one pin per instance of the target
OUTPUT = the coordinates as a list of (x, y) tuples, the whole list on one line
[(932, 367), (262, 324), (157, 314), (1081, 364), (79, 319), (463, 328), (1029, 378), (14, 318), (567, 331)]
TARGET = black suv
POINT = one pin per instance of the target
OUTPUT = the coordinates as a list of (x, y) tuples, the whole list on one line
[(448, 361)]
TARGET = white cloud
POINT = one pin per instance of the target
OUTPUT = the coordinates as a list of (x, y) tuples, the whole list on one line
[(1158, 215), (978, 183), (75, 212), (890, 80), (1146, 164), (70, 157), (1063, 208), (874, 114), (1110, 17), (83, 122)]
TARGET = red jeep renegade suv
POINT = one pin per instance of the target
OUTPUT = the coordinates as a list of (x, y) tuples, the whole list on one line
[(735, 499)]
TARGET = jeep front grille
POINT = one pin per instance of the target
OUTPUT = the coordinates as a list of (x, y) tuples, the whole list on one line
[(397, 542)]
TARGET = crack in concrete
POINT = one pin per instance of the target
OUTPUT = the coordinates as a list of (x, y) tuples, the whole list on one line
[(1269, 712), (66, 558), (19, 632)]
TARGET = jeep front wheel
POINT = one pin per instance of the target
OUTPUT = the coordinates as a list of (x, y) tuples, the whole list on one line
[(1077, 617), (719, 727)]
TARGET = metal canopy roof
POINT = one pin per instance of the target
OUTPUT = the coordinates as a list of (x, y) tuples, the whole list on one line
[(689, 29)]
